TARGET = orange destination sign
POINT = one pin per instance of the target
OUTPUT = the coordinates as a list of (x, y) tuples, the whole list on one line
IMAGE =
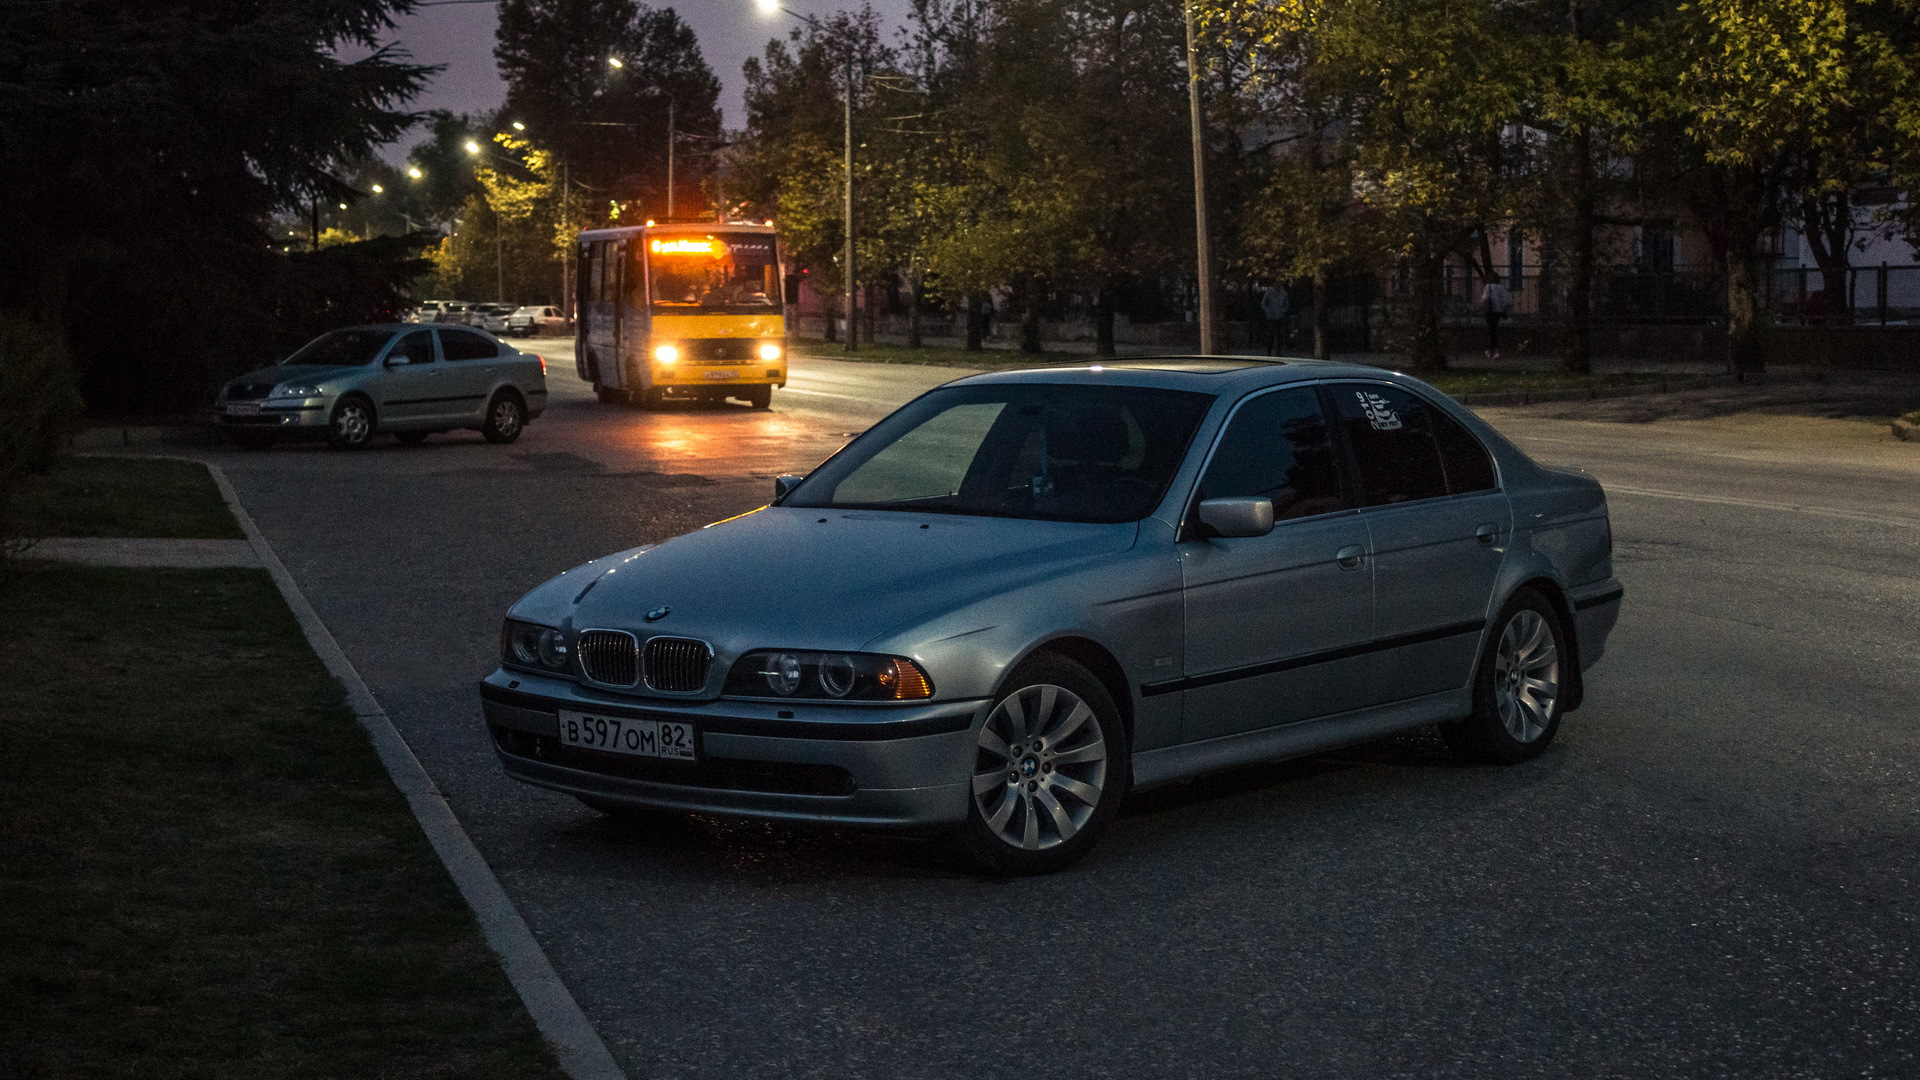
[(683, 247)]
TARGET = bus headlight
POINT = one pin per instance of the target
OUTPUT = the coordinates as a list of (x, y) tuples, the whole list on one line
[(769, 351), (666, 354)]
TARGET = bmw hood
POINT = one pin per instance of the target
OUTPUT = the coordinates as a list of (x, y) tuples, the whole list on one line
[(788, 577)]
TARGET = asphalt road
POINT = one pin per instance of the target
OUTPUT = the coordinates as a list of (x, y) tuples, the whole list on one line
[(1712, 873)]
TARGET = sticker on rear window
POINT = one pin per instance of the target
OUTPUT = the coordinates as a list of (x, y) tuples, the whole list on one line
[(1379, 414)]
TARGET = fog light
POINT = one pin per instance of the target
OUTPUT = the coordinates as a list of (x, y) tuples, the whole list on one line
[(667, 354), (770, 350)]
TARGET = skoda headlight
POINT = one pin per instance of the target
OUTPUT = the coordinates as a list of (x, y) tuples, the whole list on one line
[(296, 390), (788, 673), (525, 644)]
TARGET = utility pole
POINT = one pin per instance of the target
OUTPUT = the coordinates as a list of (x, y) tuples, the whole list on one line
[(669, 159), (1205, 251), (853, 329)]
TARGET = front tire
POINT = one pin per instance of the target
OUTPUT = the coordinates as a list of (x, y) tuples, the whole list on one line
[(352, 424), (506, 418), (1050, 769), (1518, 688), (760, 397)]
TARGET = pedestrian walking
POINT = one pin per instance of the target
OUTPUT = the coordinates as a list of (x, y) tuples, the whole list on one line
[(1496, 301), (986, 315), (1278, 310)]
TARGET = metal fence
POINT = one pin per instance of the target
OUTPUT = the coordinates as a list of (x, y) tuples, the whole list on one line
[(1789, 296)]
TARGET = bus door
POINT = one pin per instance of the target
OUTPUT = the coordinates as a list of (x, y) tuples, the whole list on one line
[(599, 313), (636, 325)]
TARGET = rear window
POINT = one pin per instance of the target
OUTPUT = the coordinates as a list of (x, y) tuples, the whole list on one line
[(467, 345), (342, 348)]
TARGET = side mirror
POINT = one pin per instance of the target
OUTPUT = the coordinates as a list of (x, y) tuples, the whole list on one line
[(1239, 516), (782, 485)]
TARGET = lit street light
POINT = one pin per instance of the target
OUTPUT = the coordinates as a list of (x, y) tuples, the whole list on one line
[(518, 126), (473, 147), (772, 7), (377, 189), (414, 173), (615, 62)]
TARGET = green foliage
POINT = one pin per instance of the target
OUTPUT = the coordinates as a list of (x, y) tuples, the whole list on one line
[(38, 404), (149, 146)]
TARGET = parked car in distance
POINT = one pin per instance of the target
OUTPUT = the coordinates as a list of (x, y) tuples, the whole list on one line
[(350, 384), (490, 317), (428, 311), (538, 321), (1026, 593)]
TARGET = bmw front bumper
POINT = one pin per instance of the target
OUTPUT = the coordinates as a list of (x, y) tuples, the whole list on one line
[(889, 766)]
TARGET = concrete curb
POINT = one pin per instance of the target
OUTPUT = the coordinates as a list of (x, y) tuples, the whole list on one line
[(1906, 432), (581, 1053), (1529, 397)]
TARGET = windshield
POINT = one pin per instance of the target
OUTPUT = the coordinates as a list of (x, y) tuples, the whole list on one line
[(1052, 453), (713, 273), (342, 348)]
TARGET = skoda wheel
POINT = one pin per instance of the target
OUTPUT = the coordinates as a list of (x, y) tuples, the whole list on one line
[(505, 418), (1050, 768), (351, 426), (1518, 688)]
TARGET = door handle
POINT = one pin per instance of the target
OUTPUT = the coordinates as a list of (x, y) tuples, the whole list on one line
[(1487, 534), (1350, 557)]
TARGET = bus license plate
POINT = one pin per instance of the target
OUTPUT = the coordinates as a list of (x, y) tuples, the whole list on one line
[(723, 373), (668, 739)]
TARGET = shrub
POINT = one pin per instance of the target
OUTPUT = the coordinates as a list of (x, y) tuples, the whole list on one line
[(39, 402)]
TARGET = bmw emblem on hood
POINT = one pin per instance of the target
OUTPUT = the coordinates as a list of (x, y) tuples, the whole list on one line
[(659, 613)]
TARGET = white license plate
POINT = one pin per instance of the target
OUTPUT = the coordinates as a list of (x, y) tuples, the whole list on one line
[(243, 408), (723, 373), (668, 739)]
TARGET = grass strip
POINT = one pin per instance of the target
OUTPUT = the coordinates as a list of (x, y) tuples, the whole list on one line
[(204, 870), (123, 497), (1459, 381)]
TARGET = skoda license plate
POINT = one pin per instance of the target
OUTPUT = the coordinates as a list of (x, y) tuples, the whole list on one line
[(668, 739), (723, 373), (243, 408)]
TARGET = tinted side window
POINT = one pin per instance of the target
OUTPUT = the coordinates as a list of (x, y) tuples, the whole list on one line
[(467, 345), (1469, 468), (1278, 447), (1391, 434), (415, 348)]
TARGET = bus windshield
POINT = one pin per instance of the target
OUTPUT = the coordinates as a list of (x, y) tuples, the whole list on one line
[(713, 273)]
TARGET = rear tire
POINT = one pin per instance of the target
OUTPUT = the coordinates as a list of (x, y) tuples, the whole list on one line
[(1051, 766), (506, 418), (352, 424), (609, 395), (1519, 687)]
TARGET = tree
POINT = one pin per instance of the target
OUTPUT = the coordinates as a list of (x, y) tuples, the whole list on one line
[(149, 146), (608, 124)]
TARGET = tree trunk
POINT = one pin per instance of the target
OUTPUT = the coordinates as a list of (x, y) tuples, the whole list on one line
[(1030, 322), (1428, 351), (913, 312), (867, 316), (1576, 355), (830, 312), (1743, 323), (1103, 323), (1322, 324), (976, 338), (1828, 227)]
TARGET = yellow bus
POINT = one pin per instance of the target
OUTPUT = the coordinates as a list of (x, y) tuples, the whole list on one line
[(681, 311)]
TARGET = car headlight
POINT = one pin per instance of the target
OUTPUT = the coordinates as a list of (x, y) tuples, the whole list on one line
[(296, 390), (667, 354), (788, 673), (530, 645), (770, 350)]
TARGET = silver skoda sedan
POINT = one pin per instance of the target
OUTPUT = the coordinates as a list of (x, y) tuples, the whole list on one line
[(410, 380), (1025, 594)]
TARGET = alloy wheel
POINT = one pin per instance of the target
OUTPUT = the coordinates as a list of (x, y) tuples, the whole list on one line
[(506, 417), (1041, 767), (1526, 675), (351, 424)]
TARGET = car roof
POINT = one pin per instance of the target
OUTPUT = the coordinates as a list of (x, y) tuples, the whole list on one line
[(1217, 375)]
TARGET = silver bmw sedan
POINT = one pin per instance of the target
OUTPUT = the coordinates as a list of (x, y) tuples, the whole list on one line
[(1027, 593)]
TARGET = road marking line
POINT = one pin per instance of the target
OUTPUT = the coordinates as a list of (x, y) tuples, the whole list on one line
[(581, 1053), (820, 393), (1763, 504)]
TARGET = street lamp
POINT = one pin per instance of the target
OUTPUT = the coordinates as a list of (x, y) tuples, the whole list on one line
[(414, 173), (772, 7), (614, 61)]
